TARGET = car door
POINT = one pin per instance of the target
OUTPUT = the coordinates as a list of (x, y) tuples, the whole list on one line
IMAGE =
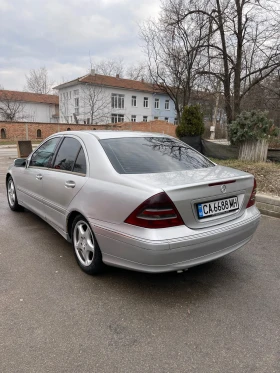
[(30, 180), (64, 180)]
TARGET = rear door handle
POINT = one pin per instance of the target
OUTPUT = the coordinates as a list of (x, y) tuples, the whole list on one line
[(70, 184), (39, 177)]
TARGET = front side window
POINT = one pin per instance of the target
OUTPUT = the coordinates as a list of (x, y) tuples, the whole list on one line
[(166, 119), (133, 101), (67, 154), (43, 156), (146, 102), (116, 118), (156, 103), (117, 101), (166, 106), (133, 118), (145, 118), (76, 92), (143, 155)]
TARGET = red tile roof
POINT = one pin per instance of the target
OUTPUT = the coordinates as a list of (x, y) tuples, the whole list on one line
[(111, 81), (28, 97)]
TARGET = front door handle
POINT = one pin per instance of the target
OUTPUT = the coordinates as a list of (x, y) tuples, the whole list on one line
[(39, 177), (70, 184)]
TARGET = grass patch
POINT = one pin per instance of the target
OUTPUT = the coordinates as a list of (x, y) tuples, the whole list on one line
[(266, 174)]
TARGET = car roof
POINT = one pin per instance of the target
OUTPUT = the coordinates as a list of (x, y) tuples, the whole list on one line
[(107, 134)]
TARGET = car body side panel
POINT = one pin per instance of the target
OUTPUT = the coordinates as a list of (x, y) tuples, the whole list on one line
[(58, 197), (107, 201), (30, 188)]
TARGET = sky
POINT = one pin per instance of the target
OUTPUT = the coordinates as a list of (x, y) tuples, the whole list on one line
[(62, 34)]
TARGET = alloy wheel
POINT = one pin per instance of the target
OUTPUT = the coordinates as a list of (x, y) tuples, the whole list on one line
[(11, 192), (84, 243)]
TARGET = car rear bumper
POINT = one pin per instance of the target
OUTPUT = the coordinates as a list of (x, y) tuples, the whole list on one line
[(199, 246)]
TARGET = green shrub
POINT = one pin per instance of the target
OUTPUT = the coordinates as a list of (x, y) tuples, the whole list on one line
[(251, 126), (191, 123)]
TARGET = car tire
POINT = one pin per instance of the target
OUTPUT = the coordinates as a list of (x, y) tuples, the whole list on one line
[(85, 246), (12, 195)]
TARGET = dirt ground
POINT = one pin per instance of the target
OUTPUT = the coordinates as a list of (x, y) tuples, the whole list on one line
[(266, 174)]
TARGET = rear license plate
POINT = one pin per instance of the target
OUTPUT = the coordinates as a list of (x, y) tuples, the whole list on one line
[(222, 206)]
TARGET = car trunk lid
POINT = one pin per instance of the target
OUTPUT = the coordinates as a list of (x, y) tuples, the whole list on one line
[(188, 189)]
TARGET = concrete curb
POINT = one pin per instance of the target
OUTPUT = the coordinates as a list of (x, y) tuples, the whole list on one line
[(268, 205)]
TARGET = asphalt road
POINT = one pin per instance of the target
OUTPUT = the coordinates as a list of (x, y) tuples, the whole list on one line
[(220, 317)]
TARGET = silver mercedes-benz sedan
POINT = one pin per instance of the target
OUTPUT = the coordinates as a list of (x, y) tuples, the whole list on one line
[(141, 201)]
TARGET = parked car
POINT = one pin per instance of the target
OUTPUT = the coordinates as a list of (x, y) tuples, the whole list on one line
[(135, 200)]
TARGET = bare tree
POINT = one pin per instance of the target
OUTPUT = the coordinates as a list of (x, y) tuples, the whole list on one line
[(265, 96), (173, 45), (137, 71), (244, 39), (96, 104), (38, 81), (11, 107), (108, 67), (65, 107)]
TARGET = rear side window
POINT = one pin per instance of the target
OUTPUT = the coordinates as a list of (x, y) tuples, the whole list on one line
[(140, 155), (43, 156), (67, 154), (80, 164)]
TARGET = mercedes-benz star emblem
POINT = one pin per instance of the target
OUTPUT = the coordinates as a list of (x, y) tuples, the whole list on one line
[(223, 188)]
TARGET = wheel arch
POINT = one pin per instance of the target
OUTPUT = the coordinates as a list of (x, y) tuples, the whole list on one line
[(70, 219), (7, 177)]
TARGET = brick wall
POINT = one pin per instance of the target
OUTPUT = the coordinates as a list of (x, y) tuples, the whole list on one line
[(23, 131)]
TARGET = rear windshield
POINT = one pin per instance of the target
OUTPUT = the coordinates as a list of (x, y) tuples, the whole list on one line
[(142, 155)]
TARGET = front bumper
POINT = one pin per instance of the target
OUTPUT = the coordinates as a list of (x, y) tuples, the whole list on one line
[(178, 252)]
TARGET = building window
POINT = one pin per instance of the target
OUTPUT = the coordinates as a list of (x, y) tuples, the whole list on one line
[(176, 120), (116, 118), (3, 133), (70, 95), (166, 119), (155, 118), (133, 101), (133, 118), (76, 92), (145, 118), (156, 103), (117, 101), (77, 102), (146, 102), (166, 106), (39, 134)]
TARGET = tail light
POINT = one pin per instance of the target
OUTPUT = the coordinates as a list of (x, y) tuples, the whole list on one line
[(252, 199), (156, 212)]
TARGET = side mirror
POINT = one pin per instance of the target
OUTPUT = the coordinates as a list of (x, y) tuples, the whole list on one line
[(20, 162)]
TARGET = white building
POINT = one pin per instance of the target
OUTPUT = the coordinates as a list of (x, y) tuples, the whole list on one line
[(28, 107), (99, 99)]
